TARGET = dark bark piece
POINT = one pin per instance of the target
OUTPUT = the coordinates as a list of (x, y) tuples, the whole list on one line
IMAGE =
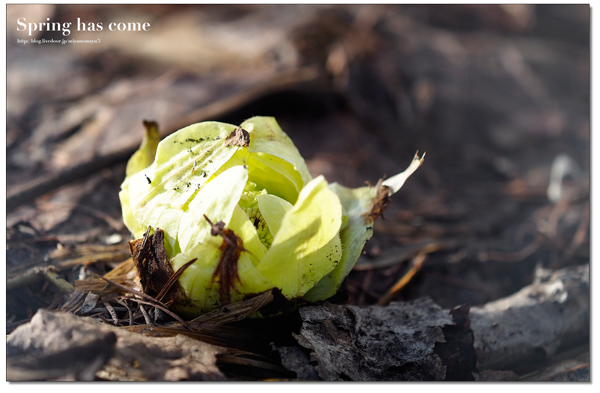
[(375, 343), (238, 137), (458, 353), (496, 376), (135, 357), (535, 322), (404, 340), (153, 265), (297, 359)]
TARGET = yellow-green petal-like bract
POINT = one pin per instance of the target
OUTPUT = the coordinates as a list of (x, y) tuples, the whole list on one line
[(307, 243), (294, 233)]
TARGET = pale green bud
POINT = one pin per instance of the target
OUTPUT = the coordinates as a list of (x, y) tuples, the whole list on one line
[(294, 233)]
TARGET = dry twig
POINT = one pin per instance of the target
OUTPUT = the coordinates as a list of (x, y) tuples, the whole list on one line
[(417, 264)]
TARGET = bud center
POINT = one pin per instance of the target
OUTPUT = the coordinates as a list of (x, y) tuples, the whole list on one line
[(249, 205)]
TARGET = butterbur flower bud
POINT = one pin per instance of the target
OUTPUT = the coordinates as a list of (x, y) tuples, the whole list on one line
[(241, 204)]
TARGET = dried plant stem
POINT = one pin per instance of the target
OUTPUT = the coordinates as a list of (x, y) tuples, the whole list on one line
[(150, 300), (417, 264), (174, 279), (236, 311), (519, 255), (34, 275)]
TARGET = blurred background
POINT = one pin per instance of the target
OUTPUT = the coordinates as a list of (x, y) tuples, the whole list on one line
[(497, 95)]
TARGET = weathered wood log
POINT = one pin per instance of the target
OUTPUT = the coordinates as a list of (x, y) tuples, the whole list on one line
[(395, 342), (418, 340), (550, 314)]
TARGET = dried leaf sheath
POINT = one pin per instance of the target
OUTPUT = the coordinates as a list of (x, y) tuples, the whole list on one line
[(227, 268), (238, 137), (380, 202), (153, 265)]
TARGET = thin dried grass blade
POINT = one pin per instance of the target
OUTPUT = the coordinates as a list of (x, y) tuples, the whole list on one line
[(409, 253), (236, 311), (151, 301), (124, 303), (124, 269), (146, 316), (166, 310), (173, 279), (417, 264), (85, 249), (124, 273), (75, 302), (88, 254), (233, 338), (91, 299), (242, 361), (133, 291), (112, 313), (92, 259)]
